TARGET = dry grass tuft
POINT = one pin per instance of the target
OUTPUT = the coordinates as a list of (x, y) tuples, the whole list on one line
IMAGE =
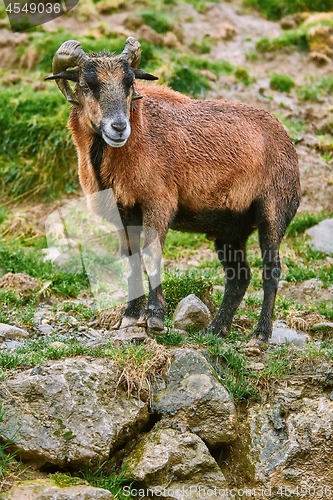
[(108, 318), (303, 320), (18, 227), (141, 365)]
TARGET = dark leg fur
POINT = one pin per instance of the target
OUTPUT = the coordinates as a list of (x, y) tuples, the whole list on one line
[(238, 277), (130, 248), (271, 230), (152, 256)]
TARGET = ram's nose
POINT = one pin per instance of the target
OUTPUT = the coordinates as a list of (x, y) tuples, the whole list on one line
[(119, 126)]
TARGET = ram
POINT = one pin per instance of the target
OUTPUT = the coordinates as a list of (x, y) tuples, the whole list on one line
[(211, 166)]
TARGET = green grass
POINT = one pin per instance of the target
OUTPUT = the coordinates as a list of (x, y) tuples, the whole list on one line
[(159, 20), (295, 127), (9, 462), (281, 82), (302, 222), (242, 75), (177, 285), (36, 154), (186, 80), (19, 260), (178, 243), (81, 310), (315, 89), (202, 47), (113, 482), (294, 38), (276, 9), (37, 351)]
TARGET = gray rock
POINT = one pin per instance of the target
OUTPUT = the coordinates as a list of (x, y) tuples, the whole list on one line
[(57, 345), (129, 333), (322, 236), (282, 334), (12, 332), (194, 397), (94, 333), (291, 440), (45, 329), (169, 459), (38, 315), (68, 412), (12, 344), (191, 311), (47, 489)]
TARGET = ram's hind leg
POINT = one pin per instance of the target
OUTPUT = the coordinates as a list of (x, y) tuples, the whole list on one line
[(130, 248), (237, 279), (271, 229)]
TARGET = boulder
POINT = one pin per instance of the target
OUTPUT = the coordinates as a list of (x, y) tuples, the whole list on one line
[(291, 440), (176, 465), (68, 413), (193, 397), (322, 236), (47, 489), (191, 311), (11, 332)]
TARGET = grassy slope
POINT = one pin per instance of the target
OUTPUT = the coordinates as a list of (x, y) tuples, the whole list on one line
[(37, 156)]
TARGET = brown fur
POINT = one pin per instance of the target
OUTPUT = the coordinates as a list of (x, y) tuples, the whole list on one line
[(203, 155), (218, 167)]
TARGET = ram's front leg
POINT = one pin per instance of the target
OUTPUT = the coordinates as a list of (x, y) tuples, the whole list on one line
[(155, 227), (130, 248)]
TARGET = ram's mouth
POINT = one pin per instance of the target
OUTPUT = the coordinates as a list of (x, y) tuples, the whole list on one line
[(114, 142)]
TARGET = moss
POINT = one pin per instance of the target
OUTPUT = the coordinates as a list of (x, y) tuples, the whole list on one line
[(281, 82), (65, 480)]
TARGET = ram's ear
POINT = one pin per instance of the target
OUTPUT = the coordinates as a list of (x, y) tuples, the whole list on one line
[(142, 75), (72, 75)]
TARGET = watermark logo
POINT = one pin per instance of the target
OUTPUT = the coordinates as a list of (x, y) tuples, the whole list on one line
[(29, 14), (87, 235)]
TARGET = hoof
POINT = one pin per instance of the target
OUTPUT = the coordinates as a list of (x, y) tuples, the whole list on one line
[(124, 322), (155, 324), (116, 326), (142, 321), (256, 345)]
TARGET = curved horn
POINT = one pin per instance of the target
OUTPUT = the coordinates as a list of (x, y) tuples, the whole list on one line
[(132, 51), (70, 54)]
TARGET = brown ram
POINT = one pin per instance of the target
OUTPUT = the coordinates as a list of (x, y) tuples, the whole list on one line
[(213, 166)]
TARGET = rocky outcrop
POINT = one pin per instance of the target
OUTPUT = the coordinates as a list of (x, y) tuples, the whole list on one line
[(291, 440), (47, 489), (176, 465), (68, 413), (194, 399)]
